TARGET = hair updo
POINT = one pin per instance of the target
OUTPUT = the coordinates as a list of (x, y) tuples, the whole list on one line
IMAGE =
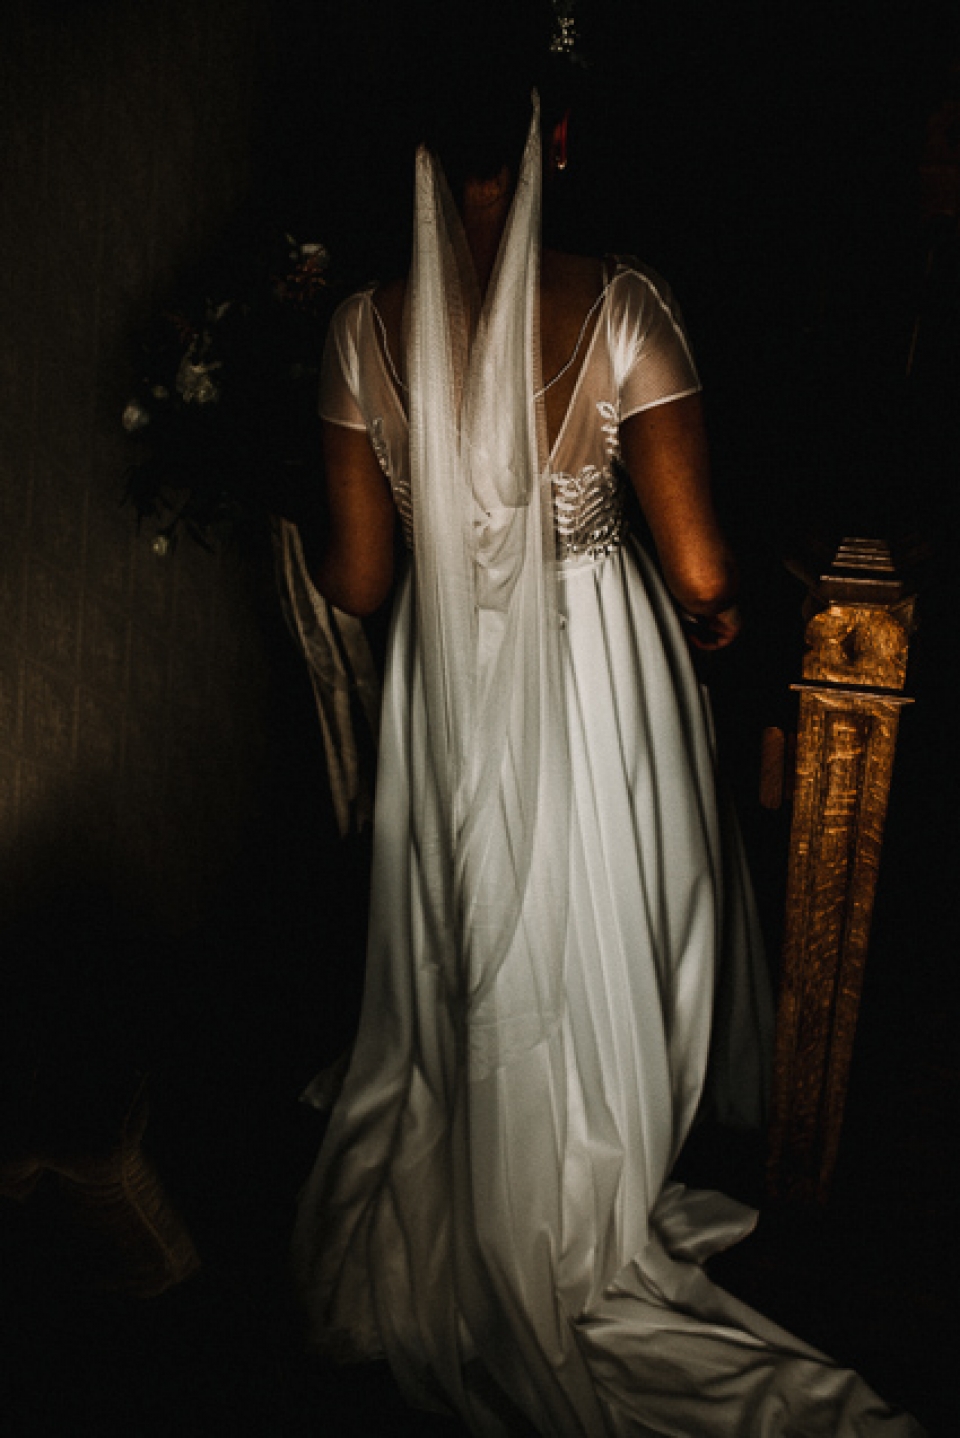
[(479, 70)]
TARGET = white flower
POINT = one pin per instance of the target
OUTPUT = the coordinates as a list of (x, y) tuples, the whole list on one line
[(135, 417), (162, 546), (196, 383), (319, 253), (312, 253)]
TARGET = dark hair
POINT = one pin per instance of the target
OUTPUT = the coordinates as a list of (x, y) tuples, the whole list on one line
[(481, 68)]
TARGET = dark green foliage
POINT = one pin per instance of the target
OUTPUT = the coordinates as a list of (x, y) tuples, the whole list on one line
[(224, 412)]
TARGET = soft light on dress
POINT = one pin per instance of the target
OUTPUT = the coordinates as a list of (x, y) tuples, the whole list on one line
[(491, 1209)]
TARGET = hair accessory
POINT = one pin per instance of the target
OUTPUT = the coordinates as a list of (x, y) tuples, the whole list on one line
[(565, 37)]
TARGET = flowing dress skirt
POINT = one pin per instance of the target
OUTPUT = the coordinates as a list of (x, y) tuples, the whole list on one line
[(510, 1239)]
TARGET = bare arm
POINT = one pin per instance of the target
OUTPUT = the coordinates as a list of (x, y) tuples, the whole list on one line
[(665, 451), (354, 566)]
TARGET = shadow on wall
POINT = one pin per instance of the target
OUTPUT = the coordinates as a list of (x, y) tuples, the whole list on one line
[(130, 690)]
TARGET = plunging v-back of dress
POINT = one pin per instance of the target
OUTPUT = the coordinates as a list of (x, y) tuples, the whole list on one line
[(503, 1228)]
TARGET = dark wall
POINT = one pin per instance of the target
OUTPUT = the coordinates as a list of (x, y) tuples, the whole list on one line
[(167, 891), (130, 685), (134, 689)]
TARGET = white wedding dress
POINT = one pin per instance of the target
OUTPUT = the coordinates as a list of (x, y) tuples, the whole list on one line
[(492, 1207)]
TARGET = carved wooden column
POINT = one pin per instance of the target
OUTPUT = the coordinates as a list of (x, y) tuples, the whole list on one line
[(850, 702)]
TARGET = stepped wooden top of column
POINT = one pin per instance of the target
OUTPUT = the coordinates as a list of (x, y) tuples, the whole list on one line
[(861, 635)]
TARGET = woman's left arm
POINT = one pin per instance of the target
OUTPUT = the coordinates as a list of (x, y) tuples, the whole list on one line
[(665, 451), (354, 566)]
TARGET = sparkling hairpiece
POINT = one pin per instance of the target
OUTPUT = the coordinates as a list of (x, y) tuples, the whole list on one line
[(565, 36)]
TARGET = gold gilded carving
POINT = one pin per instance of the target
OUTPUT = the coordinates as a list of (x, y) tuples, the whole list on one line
[(856, 644), (846, 743)]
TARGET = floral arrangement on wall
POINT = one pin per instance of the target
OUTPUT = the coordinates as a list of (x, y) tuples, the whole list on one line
[(223, 415)]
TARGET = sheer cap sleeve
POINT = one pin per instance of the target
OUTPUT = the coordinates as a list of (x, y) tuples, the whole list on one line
[(340, 369), (648, 343)]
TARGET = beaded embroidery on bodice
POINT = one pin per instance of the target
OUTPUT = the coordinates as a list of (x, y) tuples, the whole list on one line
[(635, 357), (588, 507), (588, 513)]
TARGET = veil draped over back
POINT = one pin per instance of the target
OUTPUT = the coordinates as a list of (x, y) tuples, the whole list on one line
[(487, 619)]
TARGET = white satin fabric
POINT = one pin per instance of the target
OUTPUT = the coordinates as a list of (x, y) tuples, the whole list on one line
[(343, 677), (492, 1207)]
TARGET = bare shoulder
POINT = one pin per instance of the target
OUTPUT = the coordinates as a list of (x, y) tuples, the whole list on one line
[(572, 281), (569, 288)]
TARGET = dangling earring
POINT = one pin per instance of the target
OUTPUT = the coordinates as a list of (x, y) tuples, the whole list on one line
[(560, 143)]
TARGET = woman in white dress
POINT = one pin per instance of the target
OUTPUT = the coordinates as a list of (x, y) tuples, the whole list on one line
[(556, 915)]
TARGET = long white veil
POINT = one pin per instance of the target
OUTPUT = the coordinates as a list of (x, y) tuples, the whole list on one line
[(487, 619)]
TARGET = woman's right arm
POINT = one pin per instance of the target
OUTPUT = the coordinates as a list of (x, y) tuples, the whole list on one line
[(353, 567)]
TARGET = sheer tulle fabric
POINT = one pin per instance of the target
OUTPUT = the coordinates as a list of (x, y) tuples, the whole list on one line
[(487, 620), (558, 912)]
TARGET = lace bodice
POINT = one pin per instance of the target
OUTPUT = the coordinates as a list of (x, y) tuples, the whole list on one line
[(637, 357)]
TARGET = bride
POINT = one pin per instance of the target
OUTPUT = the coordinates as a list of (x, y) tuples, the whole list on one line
[(558, 912)]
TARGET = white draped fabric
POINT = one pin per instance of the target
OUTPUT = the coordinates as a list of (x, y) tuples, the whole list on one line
[(342, 674), (558, 913)]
